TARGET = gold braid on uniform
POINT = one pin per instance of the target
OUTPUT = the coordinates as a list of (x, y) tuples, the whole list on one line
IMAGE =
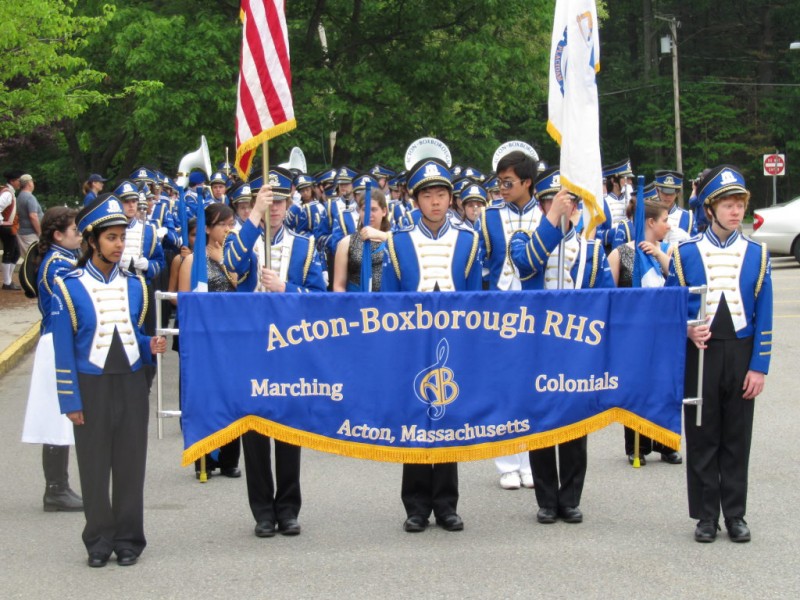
[(73, 316), (145, 298), (595, 262), (155, 241), (676, 260), (47, 266), (472, 254), (393, 255), (763, 270), (309, 258), (485, 232)]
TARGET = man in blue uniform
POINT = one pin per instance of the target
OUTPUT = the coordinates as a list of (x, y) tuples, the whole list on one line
[(450, 262), (559, 486), (516, 172), (737, 340), (294, 267)]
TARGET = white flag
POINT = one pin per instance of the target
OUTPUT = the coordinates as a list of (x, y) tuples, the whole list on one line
[(573, 108)]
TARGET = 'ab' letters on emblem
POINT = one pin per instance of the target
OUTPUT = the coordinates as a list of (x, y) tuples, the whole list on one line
[(435, 385)]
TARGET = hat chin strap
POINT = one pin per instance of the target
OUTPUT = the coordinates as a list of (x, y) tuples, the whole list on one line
[(100, 254), (714, 219)]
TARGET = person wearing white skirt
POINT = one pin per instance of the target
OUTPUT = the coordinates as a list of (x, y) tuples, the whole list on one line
[(44, 424)]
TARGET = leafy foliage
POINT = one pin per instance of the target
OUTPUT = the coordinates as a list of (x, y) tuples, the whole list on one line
[(42, 77), (88, 87)]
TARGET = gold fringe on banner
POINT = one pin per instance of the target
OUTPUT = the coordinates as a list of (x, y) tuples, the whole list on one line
[(429, 455)]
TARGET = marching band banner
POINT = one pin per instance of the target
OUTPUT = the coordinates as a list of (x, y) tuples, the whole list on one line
[(427, 378)]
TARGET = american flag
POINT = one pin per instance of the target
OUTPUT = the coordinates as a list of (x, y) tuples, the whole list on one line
[(264, 105)]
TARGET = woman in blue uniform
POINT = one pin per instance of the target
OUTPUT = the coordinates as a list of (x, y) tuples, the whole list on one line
[(219, 220), (349, 252), (44, 423), (98, 312)]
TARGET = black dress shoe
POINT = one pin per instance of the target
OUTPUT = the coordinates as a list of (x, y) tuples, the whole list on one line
[(672, 458), (126, 557), (450, 522), (265, 529), (96, 560), (232, 472), (415, 524), (642, 461), (546, 515), (570, 514), (11, 286), (738, 530), (706, 531), (289, 526)]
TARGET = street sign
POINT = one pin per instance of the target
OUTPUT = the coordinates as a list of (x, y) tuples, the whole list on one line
[(775, 164)]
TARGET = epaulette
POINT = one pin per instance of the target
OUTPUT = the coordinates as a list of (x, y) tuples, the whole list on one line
[(300, 234), (462, 227), (490, 207), (692, 240), (74, 273), (404, 228)]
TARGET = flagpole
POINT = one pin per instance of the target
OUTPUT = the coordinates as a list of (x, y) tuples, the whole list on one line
[(562, 245), (267, 232)]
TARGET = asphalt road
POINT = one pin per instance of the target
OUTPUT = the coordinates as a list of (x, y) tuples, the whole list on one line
[(636, 540)]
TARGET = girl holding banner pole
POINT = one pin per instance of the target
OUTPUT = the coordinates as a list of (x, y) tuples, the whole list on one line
[(350, 251), (218, 221), (621, 262)]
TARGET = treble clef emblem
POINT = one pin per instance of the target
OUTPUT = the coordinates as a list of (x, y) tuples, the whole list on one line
[(435, 385)]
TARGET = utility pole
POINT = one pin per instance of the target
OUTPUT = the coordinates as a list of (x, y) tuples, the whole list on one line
[(676, 92)]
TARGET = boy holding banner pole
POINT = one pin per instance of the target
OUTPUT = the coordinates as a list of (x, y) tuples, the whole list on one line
[(293, 266), (552, 259)]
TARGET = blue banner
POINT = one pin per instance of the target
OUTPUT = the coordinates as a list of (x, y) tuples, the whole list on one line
[(450, 376)]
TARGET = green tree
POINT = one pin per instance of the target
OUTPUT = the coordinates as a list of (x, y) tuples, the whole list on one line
[(43, 79)]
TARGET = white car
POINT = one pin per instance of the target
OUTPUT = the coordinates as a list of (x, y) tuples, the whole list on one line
[(779, 228)]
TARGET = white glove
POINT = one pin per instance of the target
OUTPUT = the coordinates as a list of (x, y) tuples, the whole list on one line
[(161, 232), (141, 263)]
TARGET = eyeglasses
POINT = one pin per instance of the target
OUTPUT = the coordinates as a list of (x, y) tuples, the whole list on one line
[(509, 183)]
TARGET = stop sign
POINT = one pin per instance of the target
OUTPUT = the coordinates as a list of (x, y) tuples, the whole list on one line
[(774, 164)]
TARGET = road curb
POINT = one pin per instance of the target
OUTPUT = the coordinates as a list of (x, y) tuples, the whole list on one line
[(12, 355)]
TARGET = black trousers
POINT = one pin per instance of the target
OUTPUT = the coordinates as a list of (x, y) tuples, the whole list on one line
[(10, 247), (430, 488), (228, 457), (646, 445), (559, 485), (278, 500), (718, 452), (111, 447)]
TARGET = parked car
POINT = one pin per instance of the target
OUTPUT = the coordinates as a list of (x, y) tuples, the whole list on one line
[(779, 228)]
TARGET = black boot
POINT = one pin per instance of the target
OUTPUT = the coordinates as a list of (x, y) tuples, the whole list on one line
[(57, 495)]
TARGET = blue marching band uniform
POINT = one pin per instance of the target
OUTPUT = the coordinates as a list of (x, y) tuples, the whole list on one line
[(736, 271), (512, 246), (100, 349), (273, 502), (422, 260)]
